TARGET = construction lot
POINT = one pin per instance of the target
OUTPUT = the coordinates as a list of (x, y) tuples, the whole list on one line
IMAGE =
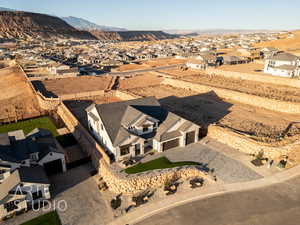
[(257, 68), (17, 98), (262, 125), (150, 64), (266, 90), (140, 80), (73, 85)]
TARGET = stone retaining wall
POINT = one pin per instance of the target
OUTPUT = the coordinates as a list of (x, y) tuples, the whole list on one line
[(248, 145), (256, 77), (132, 184), (253, 100), (48, 104)]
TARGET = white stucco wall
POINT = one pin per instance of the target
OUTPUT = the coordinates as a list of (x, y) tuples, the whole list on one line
[(101, 135)]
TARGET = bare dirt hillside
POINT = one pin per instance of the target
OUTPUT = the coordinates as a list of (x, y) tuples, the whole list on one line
[(32, 25), (131, 35), (17, 99), (284, 44)]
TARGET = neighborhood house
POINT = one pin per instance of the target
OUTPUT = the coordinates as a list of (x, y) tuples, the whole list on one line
[(283, 64), (38, 148), (131, 128), (22, 188)]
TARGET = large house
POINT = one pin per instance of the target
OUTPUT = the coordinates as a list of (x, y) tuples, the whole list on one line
[(38, 148), (131, 128), (283, 64), (22, 188)]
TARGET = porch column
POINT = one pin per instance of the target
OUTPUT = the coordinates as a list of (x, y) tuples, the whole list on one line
[(197, 134), (142, 146), (132, 150)]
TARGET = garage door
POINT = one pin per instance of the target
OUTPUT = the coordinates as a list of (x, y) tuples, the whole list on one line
[(170, 144), (190, 138), (53, 167)]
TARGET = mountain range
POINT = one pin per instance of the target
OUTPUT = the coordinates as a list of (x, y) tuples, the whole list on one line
[(27, 25), (82, 24), (6, 9)]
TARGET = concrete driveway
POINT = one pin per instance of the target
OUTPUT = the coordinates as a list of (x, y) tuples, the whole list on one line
[(225, 168)]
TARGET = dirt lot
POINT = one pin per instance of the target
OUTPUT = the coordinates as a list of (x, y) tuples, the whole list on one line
[(244, 68), (164, 62), (72, 85), (278, 92), (179, 73), (78, 107), (262, 125), (143, 80), (149, 64), (16, 97), (129, 67)]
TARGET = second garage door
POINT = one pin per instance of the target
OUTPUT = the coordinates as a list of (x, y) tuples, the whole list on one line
[(53, 167), (170, 144), (190, 138)]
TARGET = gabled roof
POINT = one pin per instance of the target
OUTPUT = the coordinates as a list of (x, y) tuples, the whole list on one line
[(115, 114), (34, 175), (20, 147), (169, 122), (285, 57)]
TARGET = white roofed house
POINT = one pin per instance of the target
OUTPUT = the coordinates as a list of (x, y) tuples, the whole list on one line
[(283, 64), (130, 128)]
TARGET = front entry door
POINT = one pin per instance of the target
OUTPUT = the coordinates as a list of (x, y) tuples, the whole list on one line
[(137, 149)]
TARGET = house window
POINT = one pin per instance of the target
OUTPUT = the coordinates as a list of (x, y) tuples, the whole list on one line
[(125, 150), (145, 128), (34, 156)]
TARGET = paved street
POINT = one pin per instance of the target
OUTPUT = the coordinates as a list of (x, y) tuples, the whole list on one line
[(272, 205), (226, 168)]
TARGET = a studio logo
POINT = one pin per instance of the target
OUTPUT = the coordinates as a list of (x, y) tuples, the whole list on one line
[(37, 198)]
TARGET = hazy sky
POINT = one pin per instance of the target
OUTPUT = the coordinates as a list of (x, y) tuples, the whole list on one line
[(173, 14)]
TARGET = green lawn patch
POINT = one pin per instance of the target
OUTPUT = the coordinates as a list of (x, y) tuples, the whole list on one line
[(29, 125), (51, 218), (160, 163)]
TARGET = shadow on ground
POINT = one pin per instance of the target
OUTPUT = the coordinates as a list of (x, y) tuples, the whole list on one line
[(202, 109)]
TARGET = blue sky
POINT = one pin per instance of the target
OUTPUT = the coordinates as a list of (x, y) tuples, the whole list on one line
[(173, 14)]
